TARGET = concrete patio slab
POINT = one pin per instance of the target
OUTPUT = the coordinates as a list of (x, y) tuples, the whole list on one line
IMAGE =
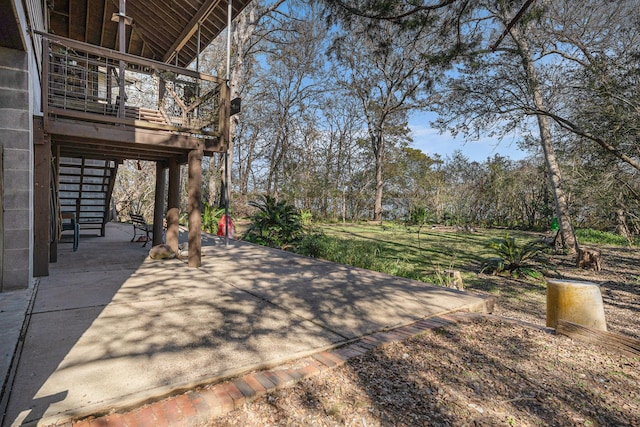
[(13, 309), (112, 329), (350, 301)]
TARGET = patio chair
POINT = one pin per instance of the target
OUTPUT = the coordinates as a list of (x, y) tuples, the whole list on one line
[(69, 222)]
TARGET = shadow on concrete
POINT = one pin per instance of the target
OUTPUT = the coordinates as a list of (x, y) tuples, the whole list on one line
[(111, 328)]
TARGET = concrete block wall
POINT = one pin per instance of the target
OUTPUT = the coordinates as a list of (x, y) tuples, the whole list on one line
[(17, 156)]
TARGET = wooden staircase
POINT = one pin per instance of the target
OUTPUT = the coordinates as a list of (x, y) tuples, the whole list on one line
[(85, 187)]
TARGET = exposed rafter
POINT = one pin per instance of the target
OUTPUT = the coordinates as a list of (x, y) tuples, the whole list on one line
[(191, 28), (160, 27)]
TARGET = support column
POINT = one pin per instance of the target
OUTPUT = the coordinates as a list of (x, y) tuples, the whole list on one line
[(158, 207), (195, 198), (173, 205), (53, 247), (41, 199), (122, 40)]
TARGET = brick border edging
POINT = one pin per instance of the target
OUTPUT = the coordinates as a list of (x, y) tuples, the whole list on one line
[(199, 406)]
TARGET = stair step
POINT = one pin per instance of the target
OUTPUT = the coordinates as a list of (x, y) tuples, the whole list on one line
[(83, 192), (84, 186), (152, 116), (86, 173)]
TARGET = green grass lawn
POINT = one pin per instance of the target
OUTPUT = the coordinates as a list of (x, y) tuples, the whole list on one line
[(398, 250), (402, 251)]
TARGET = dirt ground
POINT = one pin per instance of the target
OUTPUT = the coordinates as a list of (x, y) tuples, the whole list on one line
[(486, 372)]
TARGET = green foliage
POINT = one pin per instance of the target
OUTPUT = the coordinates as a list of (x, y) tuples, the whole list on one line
[(315, 244), (210, 217), (306, 217), (355, 252), (348, 252), (397, 251), (588, 235), (276, 224), (513, 259), (418, 215)]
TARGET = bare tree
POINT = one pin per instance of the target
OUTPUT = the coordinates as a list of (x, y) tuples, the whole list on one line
[(249, 30), (495, 91), (390, 74)]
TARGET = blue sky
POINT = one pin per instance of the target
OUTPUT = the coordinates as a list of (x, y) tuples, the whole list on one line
[(430, 141)]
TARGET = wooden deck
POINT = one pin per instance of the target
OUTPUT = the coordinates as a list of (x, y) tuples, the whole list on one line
[(167, 111)]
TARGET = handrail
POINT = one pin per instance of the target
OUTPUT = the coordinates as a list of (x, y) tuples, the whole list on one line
[(85, 82), (110, 53)]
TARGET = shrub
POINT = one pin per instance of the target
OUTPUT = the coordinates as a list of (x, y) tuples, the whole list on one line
[(417, 215), (314, 244), (210, 217), (276, 223), (306, 217), (514, 260)]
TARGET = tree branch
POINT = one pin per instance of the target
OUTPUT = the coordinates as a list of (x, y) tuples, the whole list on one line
[(570, 126)]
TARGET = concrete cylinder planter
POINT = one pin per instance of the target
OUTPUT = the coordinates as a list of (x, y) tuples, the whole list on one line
[(575, 301)]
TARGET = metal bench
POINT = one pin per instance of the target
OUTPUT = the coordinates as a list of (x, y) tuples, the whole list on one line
[(139, 224)]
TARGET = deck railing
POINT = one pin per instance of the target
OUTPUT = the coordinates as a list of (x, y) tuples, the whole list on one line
[(85, 82)]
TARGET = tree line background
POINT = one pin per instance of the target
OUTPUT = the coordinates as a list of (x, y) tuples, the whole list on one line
[(327, 88)]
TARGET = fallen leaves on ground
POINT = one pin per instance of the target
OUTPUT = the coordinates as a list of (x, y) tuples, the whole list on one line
[(483, 372)]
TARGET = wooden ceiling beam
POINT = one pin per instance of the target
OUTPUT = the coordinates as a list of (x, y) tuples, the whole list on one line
[(154, 40), (71, 150), (129, 33), (75, 147), (163, 27), (154, 20), (105, 19), (188, 32), (115, 146), (86, 22), (77, 19)]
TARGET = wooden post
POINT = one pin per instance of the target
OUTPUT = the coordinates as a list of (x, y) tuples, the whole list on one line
[(41, 199), (53, 247), (122, 40), (113, 172), (158, 210), (173, 205), (195, 198), (223, 115)]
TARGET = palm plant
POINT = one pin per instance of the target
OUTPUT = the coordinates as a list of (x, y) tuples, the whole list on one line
[(276, 223), (513, 259)]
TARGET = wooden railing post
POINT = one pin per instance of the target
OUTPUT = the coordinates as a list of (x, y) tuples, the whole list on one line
[(223, 115)]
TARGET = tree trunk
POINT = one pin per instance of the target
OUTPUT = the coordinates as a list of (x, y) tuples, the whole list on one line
[(213, 182), (379, 155), (567, 233), (621, 223)]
